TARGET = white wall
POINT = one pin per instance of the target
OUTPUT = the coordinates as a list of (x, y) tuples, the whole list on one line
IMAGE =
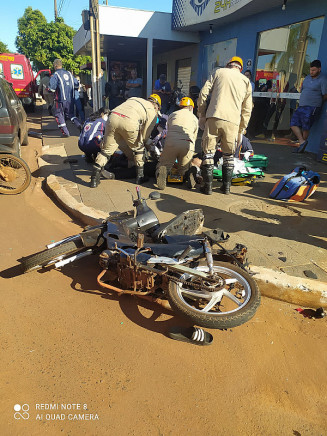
[(138, 23)]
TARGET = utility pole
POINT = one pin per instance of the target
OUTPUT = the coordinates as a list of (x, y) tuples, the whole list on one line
[(96, 55), (55, 10)]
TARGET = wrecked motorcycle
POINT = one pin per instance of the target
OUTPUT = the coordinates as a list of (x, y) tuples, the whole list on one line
[(171, 261)]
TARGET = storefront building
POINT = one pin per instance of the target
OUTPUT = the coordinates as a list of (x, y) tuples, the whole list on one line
[(277, 41), (145, 40)]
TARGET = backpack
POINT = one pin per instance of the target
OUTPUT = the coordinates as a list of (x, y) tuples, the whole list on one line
[(296, 186)]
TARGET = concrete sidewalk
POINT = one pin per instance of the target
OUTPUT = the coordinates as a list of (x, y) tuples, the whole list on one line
[(287, 242)]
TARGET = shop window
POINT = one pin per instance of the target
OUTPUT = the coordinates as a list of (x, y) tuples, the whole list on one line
[(283, 60)]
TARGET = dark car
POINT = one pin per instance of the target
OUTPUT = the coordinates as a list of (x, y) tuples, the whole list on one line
[(13, 124)]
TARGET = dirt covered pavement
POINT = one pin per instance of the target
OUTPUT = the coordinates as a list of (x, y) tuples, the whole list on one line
[(88, 363)]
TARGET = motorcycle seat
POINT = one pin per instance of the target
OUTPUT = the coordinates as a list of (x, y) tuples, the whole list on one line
[(188, 223)]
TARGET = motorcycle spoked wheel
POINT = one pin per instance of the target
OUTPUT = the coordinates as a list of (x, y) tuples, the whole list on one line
[(235, 301), (42, 259), (17, 174)]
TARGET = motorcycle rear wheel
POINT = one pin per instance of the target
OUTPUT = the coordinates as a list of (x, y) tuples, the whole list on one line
[(42, 259), (233, 300), (16, 172)]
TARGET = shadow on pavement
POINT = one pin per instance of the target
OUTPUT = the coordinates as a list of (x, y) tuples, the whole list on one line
[(311, 230)]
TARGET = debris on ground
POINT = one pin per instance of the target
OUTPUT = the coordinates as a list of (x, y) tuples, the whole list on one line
[(311, 313), (310, 274), (35, 134)]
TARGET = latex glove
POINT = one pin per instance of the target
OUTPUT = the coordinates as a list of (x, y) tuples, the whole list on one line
[(239, 138), (202, 122)]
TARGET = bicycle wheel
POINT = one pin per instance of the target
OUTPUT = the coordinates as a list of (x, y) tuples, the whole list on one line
[(15, 175)]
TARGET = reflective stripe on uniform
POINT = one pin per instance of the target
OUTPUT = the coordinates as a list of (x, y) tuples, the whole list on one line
[(62, 85), (71, 78), (94, 131)]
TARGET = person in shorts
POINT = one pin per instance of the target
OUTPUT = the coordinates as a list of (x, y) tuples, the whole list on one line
[(313, 93)]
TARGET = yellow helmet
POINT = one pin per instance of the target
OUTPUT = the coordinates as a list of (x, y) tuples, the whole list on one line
[(186, 101), (236, 59), (155, 98)]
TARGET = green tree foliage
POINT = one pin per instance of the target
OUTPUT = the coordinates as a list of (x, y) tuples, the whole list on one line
[(3, 47), (43, 42)]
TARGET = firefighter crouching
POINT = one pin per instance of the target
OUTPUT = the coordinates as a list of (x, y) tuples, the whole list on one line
[(182, 130), (129, 124)]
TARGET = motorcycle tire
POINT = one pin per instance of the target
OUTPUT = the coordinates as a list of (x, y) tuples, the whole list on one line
[(235, 301), (19, 174), (41, 259)]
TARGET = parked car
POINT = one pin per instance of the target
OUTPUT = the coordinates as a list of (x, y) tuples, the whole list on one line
[(13, 121), (16, 68)]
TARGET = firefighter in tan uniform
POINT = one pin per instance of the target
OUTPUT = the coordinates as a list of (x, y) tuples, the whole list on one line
[(129, 125), (182, 131), (225, 119)]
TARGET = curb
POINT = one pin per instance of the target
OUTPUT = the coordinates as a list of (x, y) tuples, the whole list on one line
[(87, 215), (291, 289)]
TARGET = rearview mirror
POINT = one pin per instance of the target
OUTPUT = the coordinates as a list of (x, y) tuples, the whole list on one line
[(154, 195)]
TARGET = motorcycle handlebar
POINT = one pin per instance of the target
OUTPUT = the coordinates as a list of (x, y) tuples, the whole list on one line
[(138, 191)]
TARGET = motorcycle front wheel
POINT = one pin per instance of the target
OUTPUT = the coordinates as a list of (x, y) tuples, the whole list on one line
[(45, 257), (230, 298)]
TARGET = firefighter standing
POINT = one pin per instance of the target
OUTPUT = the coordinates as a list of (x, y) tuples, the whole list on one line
[(226, 118), (62, 83), (182, 130), (129, 124)]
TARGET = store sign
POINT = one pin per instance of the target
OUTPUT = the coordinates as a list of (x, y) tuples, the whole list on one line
[(187, 12)]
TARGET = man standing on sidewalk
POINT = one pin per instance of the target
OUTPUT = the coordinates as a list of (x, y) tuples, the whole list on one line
[(225, 119), (313, 93), (129, 124), (134, 85), (62, 83)]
